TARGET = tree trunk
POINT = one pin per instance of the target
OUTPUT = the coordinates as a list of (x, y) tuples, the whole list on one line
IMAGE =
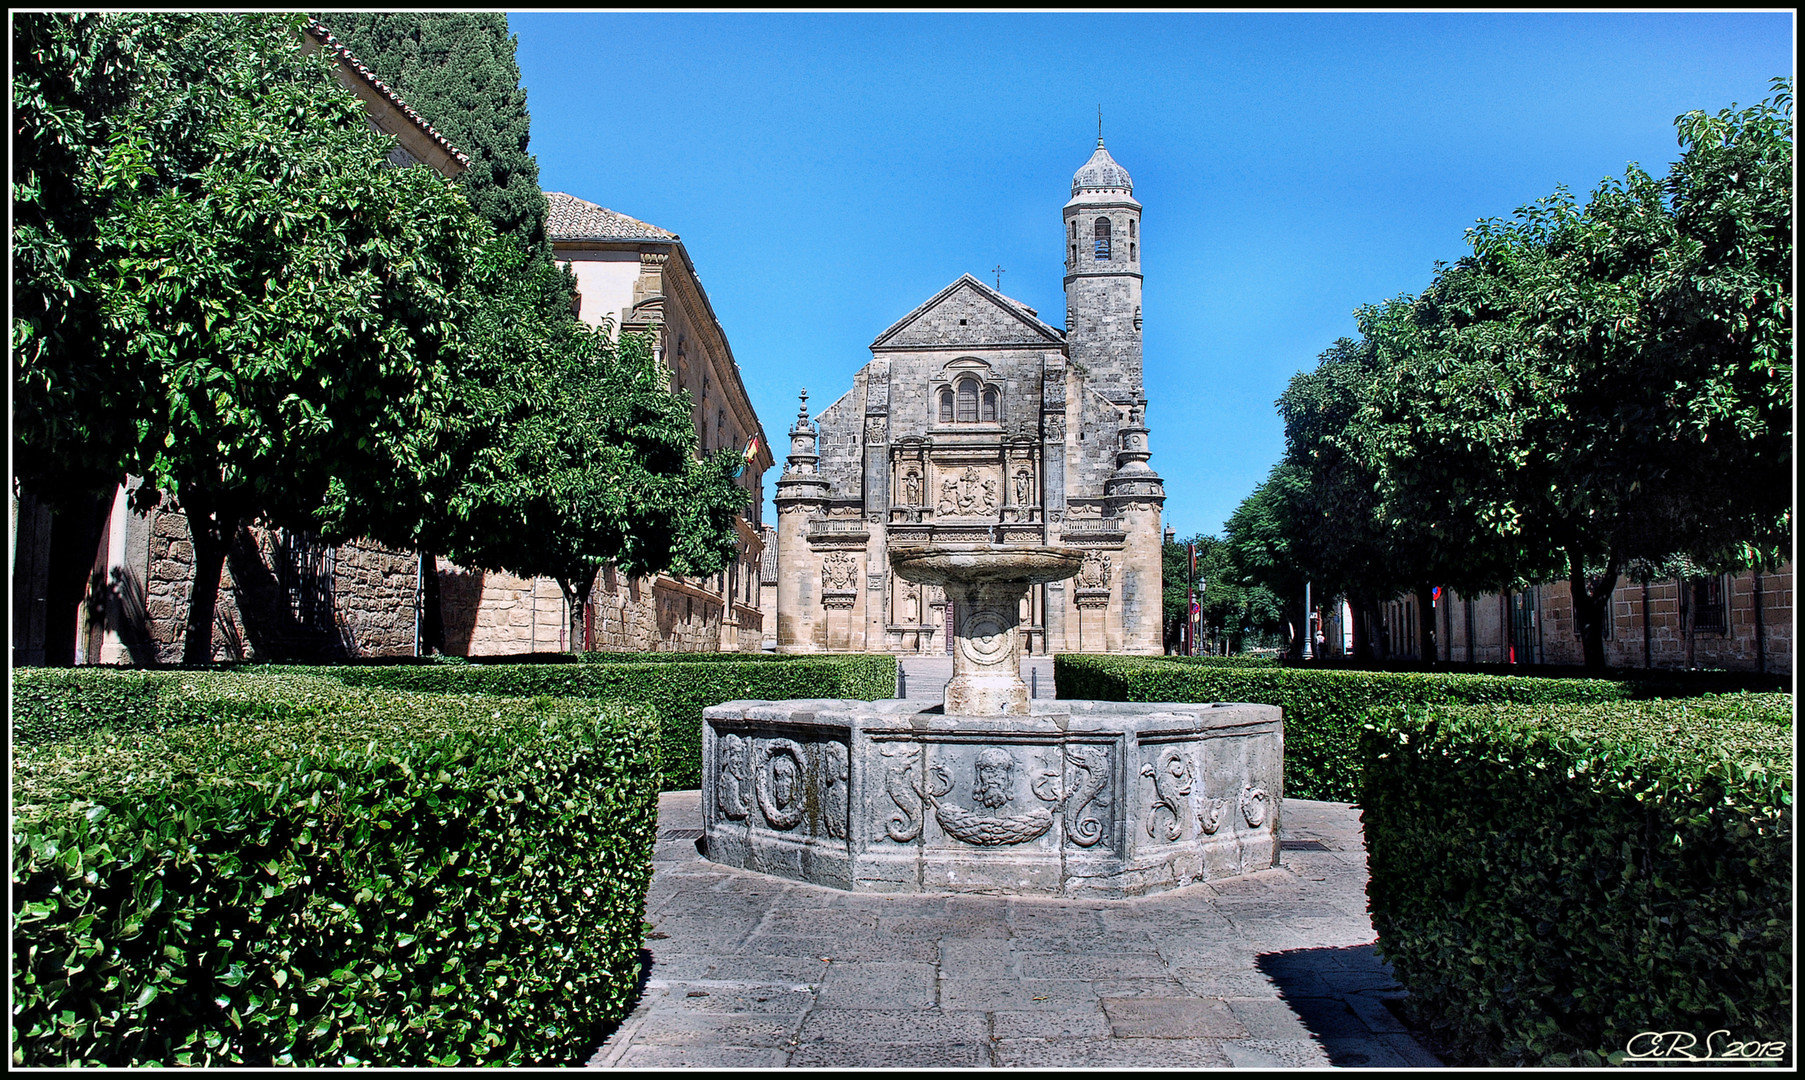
[(1425, 618), (576, 594), (432, 615), (212, 540), (75, 529), (1590, 599)]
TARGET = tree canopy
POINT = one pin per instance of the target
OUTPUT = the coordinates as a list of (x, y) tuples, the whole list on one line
[(1593, 387)]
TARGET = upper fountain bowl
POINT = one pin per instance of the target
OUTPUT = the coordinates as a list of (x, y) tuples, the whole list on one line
[(973, 564)]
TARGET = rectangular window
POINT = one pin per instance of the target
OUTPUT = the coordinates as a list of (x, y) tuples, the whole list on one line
[(1708, 604)]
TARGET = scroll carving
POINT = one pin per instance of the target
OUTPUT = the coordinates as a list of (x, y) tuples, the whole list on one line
[(837, 767), (1087, 774), (1255, 804), (1172, 779), (899, 767)]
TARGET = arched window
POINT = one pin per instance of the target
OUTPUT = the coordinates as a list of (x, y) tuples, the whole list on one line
[(1074, 228), (1131, 251), (1102, 232), (1074, 253), (989, 412), (968, 400), (946, 406), (1131, 228)]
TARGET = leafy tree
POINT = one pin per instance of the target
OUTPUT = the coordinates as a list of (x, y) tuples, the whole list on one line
[(458, 70), (1260, 535), (1580, 387), (291, 300)]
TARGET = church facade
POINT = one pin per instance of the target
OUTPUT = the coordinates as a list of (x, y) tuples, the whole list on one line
[(977, 422)]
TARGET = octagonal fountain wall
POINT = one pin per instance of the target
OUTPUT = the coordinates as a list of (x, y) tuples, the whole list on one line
[(991, 792)]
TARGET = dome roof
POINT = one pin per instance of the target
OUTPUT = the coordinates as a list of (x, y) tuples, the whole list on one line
[(1101, 171)]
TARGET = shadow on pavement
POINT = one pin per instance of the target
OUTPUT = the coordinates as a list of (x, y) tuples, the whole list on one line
[(1339, 995)]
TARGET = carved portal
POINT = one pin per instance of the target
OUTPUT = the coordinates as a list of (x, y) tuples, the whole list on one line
[(777, 782), (1172, 779)]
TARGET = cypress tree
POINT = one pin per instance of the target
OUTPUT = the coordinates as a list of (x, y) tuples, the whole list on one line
[(457, 69)]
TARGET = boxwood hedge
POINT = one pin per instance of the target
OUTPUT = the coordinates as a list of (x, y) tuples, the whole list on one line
[(221, 868), (677, 689), (1324, 710), (1549, 881)]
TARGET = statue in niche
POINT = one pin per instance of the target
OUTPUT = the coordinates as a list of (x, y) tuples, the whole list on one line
[(911, 488), (1024, 487), (911, 602)]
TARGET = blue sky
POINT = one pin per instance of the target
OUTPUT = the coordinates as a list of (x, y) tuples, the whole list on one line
[(829, 172)]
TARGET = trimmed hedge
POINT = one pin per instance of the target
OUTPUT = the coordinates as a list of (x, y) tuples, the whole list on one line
[(225, 869), (1550, 881), (1324, 710), (675, 690)]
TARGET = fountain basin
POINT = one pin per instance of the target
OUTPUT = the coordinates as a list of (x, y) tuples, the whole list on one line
[(1108, 799)]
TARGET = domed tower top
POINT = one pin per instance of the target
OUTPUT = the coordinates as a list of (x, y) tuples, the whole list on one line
[(1101, 173)]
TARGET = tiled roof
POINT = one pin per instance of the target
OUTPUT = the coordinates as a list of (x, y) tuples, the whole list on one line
[(344, 57), (578, 219)]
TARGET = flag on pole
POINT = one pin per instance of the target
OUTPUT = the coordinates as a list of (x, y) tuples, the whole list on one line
[(751, 448)]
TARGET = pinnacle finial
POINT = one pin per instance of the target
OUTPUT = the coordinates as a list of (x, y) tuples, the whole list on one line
[(802, 403), (1099, 127)]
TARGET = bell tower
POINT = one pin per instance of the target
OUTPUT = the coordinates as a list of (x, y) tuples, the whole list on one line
[(1103, 277)]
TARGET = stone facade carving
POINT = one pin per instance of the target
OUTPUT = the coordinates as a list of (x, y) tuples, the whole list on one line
[(977, 422), (1254, 805), (1086, 783), (900, 761), (837, 769), (1094, 574), (839, 571)]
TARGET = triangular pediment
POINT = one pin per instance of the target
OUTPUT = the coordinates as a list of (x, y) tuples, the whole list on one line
[(968, 314)]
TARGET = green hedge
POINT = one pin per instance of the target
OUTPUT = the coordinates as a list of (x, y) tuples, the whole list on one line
[(230, 868), (1549, 881), (1324, 710), (675, 690)]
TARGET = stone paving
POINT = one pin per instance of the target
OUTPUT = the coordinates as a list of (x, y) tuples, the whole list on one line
[(1275, 969)]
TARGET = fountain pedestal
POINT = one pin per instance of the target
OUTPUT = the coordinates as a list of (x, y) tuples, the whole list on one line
[(992, 792)]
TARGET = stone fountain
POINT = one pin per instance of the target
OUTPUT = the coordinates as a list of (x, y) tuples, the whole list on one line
[(992, 792)]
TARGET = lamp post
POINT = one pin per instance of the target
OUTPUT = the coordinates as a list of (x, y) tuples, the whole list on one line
[(1191, 598)]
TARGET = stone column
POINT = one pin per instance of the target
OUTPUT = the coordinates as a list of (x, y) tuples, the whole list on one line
[(987, 658), (801, 496)]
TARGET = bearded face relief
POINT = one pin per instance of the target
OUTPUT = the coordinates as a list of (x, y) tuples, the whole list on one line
[(995, 773)]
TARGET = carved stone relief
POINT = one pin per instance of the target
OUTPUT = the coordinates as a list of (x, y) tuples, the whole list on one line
[(1086, 781), (1024, 487), (777, 782), (899, 783), (1255, 804), (730, 779), (967, 493), (993, 777), (1095, 572), (911, 487), (836, 768), (1172, 779), (839, 571)]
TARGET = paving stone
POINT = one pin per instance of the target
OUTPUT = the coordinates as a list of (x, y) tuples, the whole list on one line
[(772, 999), (767, 969), (878, 1052), (1075, 1022), (1269, 1018), (1218, 983), (874, 985), (895, 1026), (713, 1029), (1413, 1052), (1373, 1013), (1327, 1017), (1362, 1053), (1092, 965), (1109, 1053), (1275, 1054), (1170, 1018), (941, 926), (703, 1057), (1025, 995), (1162, 986), (978, 958), (816, 946)]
